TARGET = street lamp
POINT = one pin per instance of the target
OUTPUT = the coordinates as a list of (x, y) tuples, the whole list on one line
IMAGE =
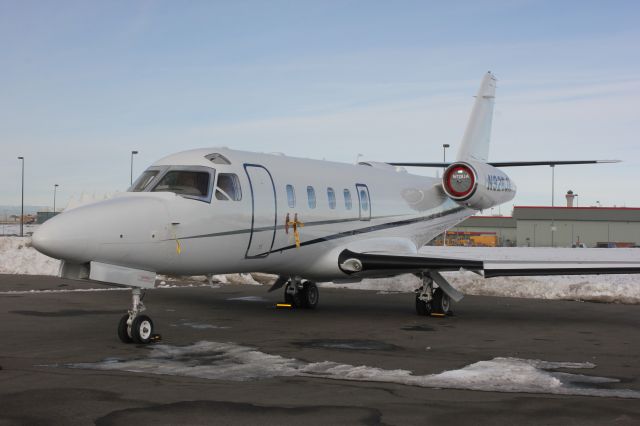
[(444, 160), (577, 203), (444, 152), (22, 202), (132, 154), (553, 184), (55, 187)]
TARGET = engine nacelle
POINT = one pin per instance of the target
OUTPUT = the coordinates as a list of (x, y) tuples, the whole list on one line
[(477, 185)]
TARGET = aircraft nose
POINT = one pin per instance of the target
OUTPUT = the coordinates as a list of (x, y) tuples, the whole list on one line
[(110, 231), (62, 238)]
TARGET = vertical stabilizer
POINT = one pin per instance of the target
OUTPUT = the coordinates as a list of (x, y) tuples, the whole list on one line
[(475, 143)]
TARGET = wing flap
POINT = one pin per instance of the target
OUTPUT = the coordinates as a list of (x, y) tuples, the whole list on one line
[(496, 262), (400, 263)]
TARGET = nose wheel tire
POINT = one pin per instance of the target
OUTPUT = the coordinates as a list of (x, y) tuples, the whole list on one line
[(142, 329), (123, 330)]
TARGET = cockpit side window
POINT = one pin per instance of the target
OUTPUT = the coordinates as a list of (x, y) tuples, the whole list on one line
[(228, 187), (188, 183), (144, 180)]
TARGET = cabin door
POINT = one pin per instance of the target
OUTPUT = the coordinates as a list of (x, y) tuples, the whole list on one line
[(264, 211), (364, 202)]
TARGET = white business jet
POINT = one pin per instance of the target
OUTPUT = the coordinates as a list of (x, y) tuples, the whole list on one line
[(217, 210)]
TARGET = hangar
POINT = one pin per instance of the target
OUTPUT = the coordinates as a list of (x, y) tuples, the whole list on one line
[(541, 226)]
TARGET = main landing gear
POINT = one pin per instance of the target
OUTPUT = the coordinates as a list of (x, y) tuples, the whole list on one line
[(301, 294), (430, 300), (134, 327)]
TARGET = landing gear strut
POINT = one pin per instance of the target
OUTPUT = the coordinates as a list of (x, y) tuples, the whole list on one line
[(431, 301), (424, 296), (134, 327), (301, 294)]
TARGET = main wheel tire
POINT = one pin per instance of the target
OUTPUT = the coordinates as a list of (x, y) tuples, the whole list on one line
[(441, 302), (142, 329), (123, 330), (310, 295), (422, 308)]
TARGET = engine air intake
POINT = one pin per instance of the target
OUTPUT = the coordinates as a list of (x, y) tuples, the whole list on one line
[(459, 181)]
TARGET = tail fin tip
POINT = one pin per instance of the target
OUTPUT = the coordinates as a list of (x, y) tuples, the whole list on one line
[(477, 136)]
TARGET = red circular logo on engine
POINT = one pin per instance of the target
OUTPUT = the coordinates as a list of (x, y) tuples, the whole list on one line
[(459, 181)]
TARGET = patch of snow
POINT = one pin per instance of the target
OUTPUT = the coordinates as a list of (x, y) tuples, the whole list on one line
[(229, 361), (594, 288), (200, 326), (17, 256)]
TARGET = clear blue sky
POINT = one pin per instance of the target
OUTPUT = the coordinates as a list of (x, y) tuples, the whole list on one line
[(82, 83)]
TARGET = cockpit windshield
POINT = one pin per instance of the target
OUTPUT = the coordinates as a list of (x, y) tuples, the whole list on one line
[(144, 180), (189, 183)]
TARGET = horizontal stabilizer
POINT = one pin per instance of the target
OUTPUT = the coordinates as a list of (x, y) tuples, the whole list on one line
[(513, 163)]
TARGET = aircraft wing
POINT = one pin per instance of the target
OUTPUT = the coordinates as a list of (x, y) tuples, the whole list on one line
[(495, 261)]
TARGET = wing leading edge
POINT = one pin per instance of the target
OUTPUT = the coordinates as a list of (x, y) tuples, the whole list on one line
[(495, 262)]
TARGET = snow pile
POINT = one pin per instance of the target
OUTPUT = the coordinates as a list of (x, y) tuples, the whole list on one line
[(229, 361), (593, 288), (199, 279), (17, 256)]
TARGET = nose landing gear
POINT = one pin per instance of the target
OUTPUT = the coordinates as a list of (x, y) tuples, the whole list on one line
[(134, 327)]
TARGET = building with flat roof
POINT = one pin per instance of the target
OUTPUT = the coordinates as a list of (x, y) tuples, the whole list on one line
[(539, 226)]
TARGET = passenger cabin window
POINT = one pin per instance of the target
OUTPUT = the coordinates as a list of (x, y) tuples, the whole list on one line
[(364, 200), (331, 195), (228, 187), (291, 196), (348, 204), (185, 182), (144, 180), (311, 195)]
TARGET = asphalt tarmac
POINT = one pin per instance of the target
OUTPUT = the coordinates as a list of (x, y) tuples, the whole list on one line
[(54, 345)]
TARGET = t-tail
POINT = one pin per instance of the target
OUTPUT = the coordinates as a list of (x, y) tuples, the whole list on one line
[(477, 135), (472, 180)]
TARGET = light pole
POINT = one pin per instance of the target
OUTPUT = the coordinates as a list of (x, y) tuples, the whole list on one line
[(55, 187), (22, 202), (553, 196), (553, 184), (577, 203), (444, 152), (132, 154), (444, 160)]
